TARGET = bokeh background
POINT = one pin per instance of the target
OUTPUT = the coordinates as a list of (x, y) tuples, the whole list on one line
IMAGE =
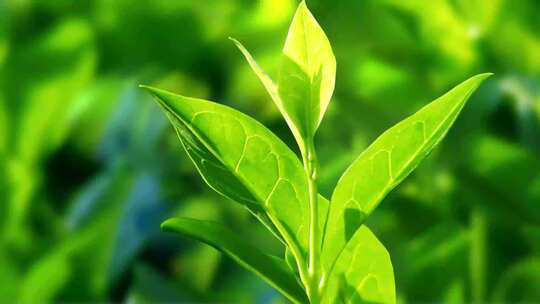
[(89, 166)]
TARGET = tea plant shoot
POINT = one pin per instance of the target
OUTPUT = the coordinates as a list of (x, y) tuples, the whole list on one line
[(330, 255)]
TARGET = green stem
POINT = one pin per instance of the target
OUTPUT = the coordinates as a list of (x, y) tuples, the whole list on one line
[(478, 254), (310, 166)]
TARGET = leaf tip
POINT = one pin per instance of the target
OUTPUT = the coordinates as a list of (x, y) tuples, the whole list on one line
[(475, 81), (303, 7), (483, 76), (238, 45), (147, 88), (155, 92), (142, 86), (167, 225)]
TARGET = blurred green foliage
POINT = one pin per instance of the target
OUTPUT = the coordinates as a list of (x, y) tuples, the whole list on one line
[(89, 168)]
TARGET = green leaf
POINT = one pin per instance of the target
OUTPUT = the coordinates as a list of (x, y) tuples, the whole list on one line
[(385, 163), (271, 269), (291, 261), (46, 279), (323, 213), (231, 150), (519, 283), (200, 266), (272, 90), (308, 72), (363, 272), (307, 75), (455, 293), (265, 79), (512, 166), (50, 275), (10, 276), (3, 126), (65, 62)]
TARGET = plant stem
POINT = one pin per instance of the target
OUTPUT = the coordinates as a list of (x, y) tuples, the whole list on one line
[(310, 166), (477, 258)]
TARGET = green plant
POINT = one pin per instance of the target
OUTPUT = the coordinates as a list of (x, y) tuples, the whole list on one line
[(330, 256)]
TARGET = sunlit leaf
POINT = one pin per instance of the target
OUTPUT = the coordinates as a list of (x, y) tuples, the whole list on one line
[(230, 150), (385, 163), (364, 271), (272, 90), (308, 71), (307, 75)]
